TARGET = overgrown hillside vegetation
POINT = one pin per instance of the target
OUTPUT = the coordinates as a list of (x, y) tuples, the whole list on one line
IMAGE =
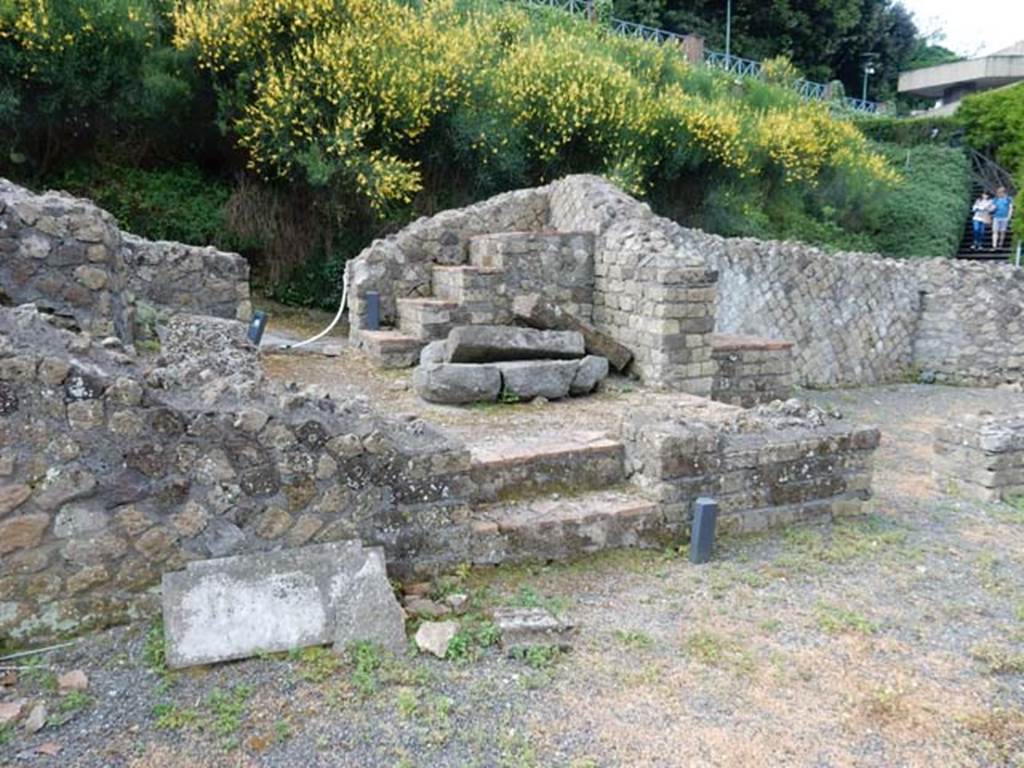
[(296, 130)]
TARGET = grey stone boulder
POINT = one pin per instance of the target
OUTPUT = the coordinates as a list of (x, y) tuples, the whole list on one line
[(433, 353), (527, 379), (369, 612), (525, 627), (592, 371), (495, 343), (456, 384), (435, 636)]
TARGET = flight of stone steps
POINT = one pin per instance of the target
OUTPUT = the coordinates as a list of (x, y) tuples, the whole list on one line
[(555, 497), (479, 293)]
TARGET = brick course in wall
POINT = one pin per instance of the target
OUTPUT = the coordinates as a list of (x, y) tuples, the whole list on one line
[(750, 370)]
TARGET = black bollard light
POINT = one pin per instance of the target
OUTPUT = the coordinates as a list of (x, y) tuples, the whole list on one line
[(257, 326), (372, 300), (702, 537)]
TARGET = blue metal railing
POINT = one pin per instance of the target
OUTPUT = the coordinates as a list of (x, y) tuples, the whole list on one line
[(736, 65)]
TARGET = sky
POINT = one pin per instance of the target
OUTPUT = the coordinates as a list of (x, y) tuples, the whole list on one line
[(971, 28)]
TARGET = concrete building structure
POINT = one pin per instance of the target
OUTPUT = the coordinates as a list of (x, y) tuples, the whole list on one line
[(949, 83)]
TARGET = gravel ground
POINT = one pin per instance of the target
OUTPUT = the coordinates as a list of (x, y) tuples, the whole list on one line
[(895, 639)]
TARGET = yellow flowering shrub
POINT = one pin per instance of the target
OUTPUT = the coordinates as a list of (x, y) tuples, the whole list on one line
[(345, 92)]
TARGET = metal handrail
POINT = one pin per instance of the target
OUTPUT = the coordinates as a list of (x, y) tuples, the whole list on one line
[(736, 65)]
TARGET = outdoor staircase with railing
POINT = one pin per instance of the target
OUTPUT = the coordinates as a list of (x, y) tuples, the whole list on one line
[(986, 175)]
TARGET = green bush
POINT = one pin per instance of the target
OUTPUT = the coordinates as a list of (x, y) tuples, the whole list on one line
[(926, 216), (994, 122), (176, 203), (909, 132)]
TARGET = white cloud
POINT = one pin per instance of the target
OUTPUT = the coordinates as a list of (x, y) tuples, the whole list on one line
[(970, 28)]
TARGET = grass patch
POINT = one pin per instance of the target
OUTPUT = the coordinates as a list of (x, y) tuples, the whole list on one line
[(810, 550), (999, 660), (528, 597), (539, 657), (170, 717), (633, 638), (998, 734), (6, 732), (475, 635), (715, 650), (228, 709), (835, 620), (366, 661), (316, 664)]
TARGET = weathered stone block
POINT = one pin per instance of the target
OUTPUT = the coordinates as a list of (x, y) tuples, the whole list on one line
[(527, 379), (491, 343), (456, 384)]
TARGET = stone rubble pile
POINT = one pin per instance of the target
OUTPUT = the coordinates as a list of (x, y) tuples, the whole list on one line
[(482, 363)]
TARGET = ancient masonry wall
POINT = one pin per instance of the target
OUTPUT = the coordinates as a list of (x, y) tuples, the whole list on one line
[(772, 466), (858, 319), (70, 258), (652, 292), (110, 475), (981, 456), (751, 370)]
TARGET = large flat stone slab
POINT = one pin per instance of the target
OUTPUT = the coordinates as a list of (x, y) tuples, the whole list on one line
[(237, 607), (534, 310), (495, 343)]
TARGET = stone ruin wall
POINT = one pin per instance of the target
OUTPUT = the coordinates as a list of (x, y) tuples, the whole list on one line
[(69, 257), (860, 319), (111, 472)]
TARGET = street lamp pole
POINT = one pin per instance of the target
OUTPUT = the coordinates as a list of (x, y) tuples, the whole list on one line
[(728, 31), (869, 69)]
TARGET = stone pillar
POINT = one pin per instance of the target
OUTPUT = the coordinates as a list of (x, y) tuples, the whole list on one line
[(693, 48)]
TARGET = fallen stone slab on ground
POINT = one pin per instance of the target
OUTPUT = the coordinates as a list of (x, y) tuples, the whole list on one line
[(236, 607), (537, 312), (526, 627), (496, 343), (456, 383), (527, 379)]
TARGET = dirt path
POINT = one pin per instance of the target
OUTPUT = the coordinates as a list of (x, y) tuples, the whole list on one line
[(891, 640)]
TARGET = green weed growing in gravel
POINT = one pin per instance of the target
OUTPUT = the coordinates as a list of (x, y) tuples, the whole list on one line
[(835, 619), (633, 638), (407, 701), (999, 660), (170, 717), (317, 664), (810, 550), (68, 706), (367, 661), (282, 731), (475, 634), (714, 650), (6, 731), (538, 656), (228, 708)]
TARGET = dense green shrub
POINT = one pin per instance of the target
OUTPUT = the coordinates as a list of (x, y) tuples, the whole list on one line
[(78, 74), (994, 122), (912, 131), (176, 203), (926, 216)]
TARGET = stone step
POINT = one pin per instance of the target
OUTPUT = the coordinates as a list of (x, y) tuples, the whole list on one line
[(563, 527), (568, 464), (479, 292), (391, 348), (426, 319)]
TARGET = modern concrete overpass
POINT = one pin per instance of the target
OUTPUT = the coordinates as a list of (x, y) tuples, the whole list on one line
[(949, 83)]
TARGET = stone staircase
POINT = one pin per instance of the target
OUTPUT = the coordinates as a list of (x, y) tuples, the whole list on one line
[(556, 497), (480, 292)]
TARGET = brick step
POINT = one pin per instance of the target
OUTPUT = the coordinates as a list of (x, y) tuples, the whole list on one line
[(426, 319), (391, 348), (567, 464), (564, 527)]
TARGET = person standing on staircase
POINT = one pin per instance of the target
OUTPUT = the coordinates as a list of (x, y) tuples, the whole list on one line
[(1001, 217), (982, 208)]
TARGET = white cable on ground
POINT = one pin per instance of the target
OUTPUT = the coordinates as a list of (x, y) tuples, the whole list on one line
[(334, 322)]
